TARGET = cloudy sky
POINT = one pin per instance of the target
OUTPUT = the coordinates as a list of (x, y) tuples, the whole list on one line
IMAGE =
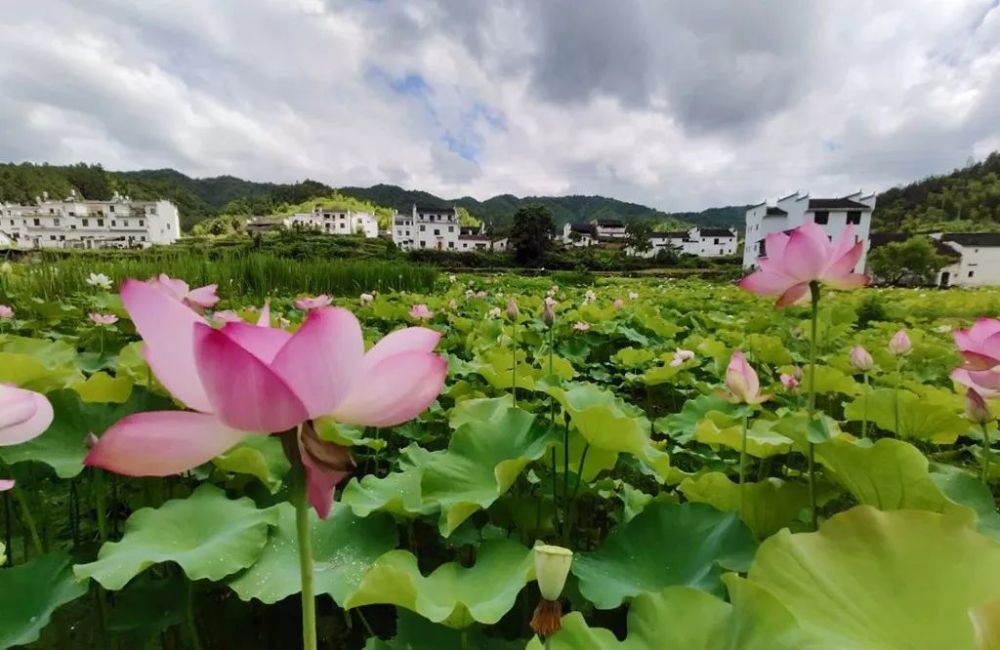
[(681, 105)]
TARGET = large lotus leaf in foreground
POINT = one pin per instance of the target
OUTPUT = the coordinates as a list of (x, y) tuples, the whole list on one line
[(30, 593), (452, 594), (876, 580), (413, 632), (344, 547), (207, 534), (664, 545), (684, 618)]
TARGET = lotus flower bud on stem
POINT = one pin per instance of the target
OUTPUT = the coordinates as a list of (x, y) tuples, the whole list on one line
[(861, 359), (976, 408), (548, 312), (552, 564), (512, 310), (900, 344)]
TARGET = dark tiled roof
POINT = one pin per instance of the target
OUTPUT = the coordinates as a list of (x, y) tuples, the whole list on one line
[(610, 223), (716, 232), (468, 230), (775, 212), (435, 208), (984, 239), (581, 228), (677, 234), (836, 204), (882, 238)]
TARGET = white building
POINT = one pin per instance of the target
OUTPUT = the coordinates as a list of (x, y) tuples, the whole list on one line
[(426, 227), (476, 239), (700, 242), (792, 211), (78, 223), (593, 232), (336, 222), (978, 259)]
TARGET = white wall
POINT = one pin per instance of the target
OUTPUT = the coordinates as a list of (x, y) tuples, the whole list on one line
[(978, 266)]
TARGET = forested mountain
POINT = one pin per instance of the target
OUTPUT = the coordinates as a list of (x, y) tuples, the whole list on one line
[(965, 199)]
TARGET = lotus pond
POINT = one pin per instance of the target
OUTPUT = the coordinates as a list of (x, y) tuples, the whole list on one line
[(702, 511)]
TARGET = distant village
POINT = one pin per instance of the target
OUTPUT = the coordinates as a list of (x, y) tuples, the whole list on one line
[(121, 222)]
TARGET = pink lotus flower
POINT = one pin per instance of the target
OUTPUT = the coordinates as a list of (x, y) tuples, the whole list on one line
[(861, 359), (24, 415), (6, 312), (6, 484), (900, 344), (742, 382), (806, 255), (226, 316), (366, 299), (245, 380), (980, 344), (680, 356), (198, 299), (103, 319), (790, 382), (580, 326), (618, 303), (420, 311), (308, 304)]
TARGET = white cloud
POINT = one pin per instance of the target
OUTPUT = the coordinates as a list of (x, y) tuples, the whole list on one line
[(678, 105)]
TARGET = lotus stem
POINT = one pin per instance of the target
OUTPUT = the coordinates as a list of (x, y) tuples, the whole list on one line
[(985, 471), (100, 505), (743, 462), (304, 540), (864, 417), (811, 447), (555, 494), (8, 528), (513, 365), (895, 401), (29, 520), (192, 625), (566, 478)]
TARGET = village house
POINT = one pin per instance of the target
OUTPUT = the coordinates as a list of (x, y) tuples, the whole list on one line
[(74, 222), (425, 227), (794, 210), (336, 222), (471, 238), (978, 259), (707, 242)]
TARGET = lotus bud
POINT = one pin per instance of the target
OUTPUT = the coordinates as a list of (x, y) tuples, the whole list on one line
[(860, 359), (548, 312), (618, 303), (900, 344), (512, 311), (742, 382), (976, 408), (790, 382), (6, 312), (552, 564)]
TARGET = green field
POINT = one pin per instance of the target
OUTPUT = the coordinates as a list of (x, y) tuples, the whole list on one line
[(584, 434)]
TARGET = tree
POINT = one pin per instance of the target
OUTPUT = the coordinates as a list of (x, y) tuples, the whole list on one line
[(911, 262), (531, 234), (639, 233)]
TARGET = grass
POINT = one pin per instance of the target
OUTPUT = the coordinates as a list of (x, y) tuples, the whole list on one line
[(255, 275)]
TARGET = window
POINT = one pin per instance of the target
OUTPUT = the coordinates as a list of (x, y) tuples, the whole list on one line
[(141, 223), (451, 244), (423, 244), (451, 228), (86, 222), (113, 223), (37, 222), (716, 241), (422, 228), (100, 222), (437, 232), (125, 223), (854, 217), (52, 237), (111, 208), (822, 217), (970, 273), (55, 221)]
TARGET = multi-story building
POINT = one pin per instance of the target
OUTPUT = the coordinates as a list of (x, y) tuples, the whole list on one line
[(336, 222), (430, 227), (794, 210), (593, 232), (707, 242), (73, 222)]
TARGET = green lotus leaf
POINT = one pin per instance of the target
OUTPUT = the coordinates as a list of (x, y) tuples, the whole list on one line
[(918, 418), (633, 357), (963, 488), (664, 545), (398, 493), (209, 535), (661, 374), (831, 380), (651, 319), (483, 460), (768, 349), (768, 506), (148, 606), (883, 580), (681, 426), (986, 625), (63, 445), (30, 593), (495, 365), (344, 546), (453, 595), (762, 439), (414, 632), (30, 372), (608, 423), (132, 364), (51, 354), (479, 410), (259, 456), (889, 475), (684, 618), (102, 387)]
